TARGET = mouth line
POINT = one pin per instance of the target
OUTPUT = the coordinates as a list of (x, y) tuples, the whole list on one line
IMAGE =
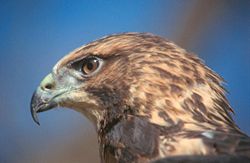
[(43, 106)]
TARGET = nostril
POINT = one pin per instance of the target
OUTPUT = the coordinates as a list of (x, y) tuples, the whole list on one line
[(48, 86), (48, 83)]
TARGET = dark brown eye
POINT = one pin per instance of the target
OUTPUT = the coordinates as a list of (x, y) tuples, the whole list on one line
[(90, 65)]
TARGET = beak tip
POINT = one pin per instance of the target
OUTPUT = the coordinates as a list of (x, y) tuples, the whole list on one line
[(38, 123), (35, 117), (33, 110), (36, 120)]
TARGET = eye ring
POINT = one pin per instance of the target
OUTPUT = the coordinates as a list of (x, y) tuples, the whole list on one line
[(90, 65)]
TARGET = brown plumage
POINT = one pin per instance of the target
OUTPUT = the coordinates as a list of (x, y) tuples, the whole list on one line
[(148, 99)]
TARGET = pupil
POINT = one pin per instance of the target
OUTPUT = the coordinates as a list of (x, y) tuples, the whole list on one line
[(90, 66)]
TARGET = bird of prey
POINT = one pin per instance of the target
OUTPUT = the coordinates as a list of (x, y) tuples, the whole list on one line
[(149, 100)]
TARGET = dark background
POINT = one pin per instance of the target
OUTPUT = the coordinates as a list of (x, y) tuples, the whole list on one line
[(34, 35)]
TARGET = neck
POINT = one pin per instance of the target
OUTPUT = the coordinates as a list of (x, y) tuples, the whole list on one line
[(124, 136)]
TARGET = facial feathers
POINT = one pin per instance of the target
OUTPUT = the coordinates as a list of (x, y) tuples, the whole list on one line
[(148, 99)]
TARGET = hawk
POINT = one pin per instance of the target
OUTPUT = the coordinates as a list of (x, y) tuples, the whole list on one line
[(149, 100)]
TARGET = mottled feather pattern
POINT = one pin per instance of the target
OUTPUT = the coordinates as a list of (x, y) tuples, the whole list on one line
[(156, 100)]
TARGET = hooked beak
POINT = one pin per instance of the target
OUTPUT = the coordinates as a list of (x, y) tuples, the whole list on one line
[(43, 98), (39, 104)]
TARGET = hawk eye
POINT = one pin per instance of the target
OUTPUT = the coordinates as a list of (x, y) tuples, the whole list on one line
[(90, 65)]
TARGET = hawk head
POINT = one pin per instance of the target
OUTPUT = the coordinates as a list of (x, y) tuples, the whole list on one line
[(143, 73), (136, 75)]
